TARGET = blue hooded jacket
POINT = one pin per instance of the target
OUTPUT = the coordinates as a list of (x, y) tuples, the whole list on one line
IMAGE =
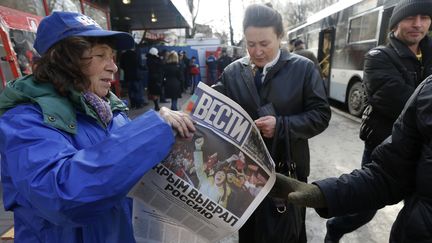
[(65, 175)]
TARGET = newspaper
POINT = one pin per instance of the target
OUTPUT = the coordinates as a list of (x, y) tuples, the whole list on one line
[(209, 184)]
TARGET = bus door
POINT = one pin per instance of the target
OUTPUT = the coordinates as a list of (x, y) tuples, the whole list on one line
[(325, 51)]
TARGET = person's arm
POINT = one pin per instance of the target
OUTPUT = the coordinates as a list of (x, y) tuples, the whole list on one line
[(390, 178), (386, 89), (68, 184), (316, 110), (199, 160)]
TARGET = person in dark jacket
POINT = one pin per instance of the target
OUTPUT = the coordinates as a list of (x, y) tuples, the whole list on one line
[(187, 78), (389, 82), (223, 61), (285, 96), (211, 63), (300, 49), (129, 63), (173, 79), (71, 154), (401, 169), (155, 76)]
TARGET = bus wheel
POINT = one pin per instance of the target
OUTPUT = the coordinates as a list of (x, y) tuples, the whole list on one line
[(356, 101)]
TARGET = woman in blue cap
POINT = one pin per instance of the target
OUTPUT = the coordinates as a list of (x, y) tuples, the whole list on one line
[(69, 152)]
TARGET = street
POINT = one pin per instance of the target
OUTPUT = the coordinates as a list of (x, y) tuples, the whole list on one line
[(335, 151)]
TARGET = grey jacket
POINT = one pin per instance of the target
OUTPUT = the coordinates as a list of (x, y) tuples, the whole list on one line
[(294, 87)]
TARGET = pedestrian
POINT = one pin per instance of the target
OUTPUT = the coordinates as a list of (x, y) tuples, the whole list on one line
[(194, 73), (187, 75), (223, 61), (285, 96), (391, 74), (163, 55), (173, 79), (130, 65), (155, 76), (400, 170), (71, 155), (182, 67), (291, 45), (300, 49), (211, 63)]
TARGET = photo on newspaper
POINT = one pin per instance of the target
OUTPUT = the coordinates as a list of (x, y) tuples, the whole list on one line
[(212, 182)]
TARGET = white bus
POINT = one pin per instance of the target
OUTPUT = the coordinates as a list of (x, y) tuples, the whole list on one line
[(340, 36)]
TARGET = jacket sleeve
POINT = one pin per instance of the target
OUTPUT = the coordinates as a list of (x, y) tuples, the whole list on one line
[(68, 185), (392, 175), (316, 110), (386, 89)]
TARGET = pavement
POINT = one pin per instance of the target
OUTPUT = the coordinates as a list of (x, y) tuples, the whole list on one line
[(6, 218)]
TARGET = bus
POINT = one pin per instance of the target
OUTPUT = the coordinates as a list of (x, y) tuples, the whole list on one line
[(340, 36)]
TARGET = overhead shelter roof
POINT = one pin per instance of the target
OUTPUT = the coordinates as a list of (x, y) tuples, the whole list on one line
[(137, 15)]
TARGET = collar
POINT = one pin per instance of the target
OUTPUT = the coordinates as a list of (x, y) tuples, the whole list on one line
[(268, 66), (58, 111), (402, 49)]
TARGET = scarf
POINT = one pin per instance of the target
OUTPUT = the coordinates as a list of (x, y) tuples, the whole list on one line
[(100, 105)]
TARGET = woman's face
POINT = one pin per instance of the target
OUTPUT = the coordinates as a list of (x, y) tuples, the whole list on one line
[(262, 44), (99, 67), (220, 177)]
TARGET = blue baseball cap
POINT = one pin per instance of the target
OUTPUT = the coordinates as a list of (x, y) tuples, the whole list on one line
[(60, 25)]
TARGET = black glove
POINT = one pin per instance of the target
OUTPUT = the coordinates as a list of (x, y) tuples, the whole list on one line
[(297, 192)]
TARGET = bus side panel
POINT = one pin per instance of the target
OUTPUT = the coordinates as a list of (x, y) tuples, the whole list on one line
[(340, 79)]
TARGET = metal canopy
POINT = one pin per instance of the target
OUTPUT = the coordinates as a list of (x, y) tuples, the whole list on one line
[(138, 14)]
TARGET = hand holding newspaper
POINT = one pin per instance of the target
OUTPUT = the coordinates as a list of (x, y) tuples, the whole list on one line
[(210, 183)]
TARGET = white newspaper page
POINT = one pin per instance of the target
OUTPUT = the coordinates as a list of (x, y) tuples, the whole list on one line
[(212, 182)]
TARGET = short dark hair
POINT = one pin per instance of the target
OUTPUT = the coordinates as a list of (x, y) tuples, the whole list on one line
[(260, 15), (298, 42), (62, 64)]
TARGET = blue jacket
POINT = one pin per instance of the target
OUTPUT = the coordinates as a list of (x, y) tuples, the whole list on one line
[(65, 175)]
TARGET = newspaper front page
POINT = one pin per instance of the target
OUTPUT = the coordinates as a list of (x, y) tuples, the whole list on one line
[(209, 184)]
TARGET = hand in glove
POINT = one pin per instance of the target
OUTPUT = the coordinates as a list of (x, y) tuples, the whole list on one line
[(298, 192)]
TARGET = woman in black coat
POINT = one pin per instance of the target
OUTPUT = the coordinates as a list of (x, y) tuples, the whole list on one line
[(155, 76), (173, 78), (285, 95)]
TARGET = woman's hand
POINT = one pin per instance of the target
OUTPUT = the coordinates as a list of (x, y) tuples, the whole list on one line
[(266, 125), (179, 121)]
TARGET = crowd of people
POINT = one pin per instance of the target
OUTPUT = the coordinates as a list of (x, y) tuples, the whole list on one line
[(70, 154), (168, 75)]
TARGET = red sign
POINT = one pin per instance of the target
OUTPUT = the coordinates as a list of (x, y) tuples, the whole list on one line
[(15, 19)]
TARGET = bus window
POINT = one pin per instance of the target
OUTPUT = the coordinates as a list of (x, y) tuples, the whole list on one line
[(22, 42), (5, 68), (98, 15), (363, 28), (64, 5), (30, 6), (313, 40)]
